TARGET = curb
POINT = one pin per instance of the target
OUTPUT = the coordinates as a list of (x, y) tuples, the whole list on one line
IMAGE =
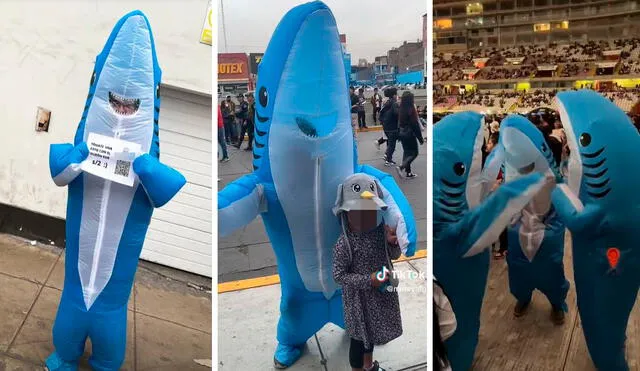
[(252, 283)]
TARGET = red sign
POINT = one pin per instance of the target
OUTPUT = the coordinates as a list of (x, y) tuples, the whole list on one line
[(233, 67)]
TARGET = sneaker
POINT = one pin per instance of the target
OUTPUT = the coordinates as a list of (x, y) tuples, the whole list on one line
[(399, 170), (390, 161), (557, 316), (520, 309), (226, 159), (411, 175), (377, 144)]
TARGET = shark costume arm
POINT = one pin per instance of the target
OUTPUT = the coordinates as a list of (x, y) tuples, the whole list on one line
[(65, 160), (239, 203), (159, 181), (481, 226), (577, 217), (398, 213)]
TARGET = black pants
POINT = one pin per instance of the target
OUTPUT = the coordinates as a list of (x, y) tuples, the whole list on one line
[(229, 130), (376, 110), (357, 352), (247, 128), (361, 119), (392, 139), (410, 153), (503, 241)]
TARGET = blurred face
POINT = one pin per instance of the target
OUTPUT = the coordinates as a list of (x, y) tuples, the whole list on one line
[(490, 146), (362, 220)]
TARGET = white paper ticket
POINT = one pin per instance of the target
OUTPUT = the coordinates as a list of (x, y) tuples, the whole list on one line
[(111, 158)]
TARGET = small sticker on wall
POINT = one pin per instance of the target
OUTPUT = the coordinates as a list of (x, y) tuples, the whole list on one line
[(42, 119)]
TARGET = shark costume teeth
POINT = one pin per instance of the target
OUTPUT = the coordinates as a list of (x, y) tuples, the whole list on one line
[(536, 236), (106, 221), (304, 149), (599, 203), (467, 220)]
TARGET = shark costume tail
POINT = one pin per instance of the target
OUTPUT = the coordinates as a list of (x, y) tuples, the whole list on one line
[(536, 238), (304, 149), (599, 203), (106, 221), (467, 220)]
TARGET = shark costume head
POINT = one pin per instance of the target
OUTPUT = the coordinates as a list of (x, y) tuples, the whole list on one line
[(599, 204), (107, 221), (601, 141), (467, 220), (304, 149)]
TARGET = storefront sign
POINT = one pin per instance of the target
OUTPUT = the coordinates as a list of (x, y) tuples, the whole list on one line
[(233, 66), (207, 27)]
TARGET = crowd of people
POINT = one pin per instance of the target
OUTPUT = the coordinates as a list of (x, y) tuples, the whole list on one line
[(576, 59)]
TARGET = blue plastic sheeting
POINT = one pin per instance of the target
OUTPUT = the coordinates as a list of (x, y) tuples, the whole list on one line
[(415, 77)]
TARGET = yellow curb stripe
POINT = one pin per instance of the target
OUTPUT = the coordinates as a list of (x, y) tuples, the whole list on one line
[(275, 279)]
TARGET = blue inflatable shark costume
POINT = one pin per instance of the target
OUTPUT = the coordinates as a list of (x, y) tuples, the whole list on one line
[(304, 149), (466, 221), (106, 221), (536, 238), (599, 203)]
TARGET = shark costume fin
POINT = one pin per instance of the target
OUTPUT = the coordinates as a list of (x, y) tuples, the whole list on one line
[(65, 160), (399, 213), (239, 203)]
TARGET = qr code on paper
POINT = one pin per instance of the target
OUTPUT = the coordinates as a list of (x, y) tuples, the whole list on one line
[(122, 168)]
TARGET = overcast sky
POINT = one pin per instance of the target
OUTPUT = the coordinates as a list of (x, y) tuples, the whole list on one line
[(372, 26)]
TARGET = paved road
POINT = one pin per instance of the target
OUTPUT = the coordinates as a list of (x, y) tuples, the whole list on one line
[(248, 254)]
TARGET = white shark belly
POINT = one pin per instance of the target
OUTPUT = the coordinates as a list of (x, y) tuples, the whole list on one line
[(105, 208), (306, 175)]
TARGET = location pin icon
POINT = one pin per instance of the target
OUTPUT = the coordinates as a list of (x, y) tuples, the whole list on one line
[(613, 256)]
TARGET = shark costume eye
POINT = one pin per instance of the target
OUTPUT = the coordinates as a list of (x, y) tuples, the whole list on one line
[(585, 139), (263, 97), (372, 187), (459, 168), (356, 188), (544, 147)]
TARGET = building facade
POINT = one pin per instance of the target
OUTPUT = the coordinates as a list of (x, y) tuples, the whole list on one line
[(461, 25), (48, 52)]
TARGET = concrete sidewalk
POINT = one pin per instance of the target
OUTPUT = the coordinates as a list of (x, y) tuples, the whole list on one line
[(169, 324), (247, 331)]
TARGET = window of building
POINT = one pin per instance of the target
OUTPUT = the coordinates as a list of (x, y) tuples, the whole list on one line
[(541, 27), (474, 9), (443, 24)]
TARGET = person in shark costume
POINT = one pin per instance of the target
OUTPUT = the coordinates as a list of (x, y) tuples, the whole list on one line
[(599, 203), (536, 237), (467, 220), (304, 149), (106, 221)]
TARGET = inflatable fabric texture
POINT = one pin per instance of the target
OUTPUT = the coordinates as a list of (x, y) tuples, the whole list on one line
[(467, 220), (106, 221), (599, 204), (536, 236), (304, 149)]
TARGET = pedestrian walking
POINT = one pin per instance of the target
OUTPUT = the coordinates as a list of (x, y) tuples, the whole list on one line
[(389, 120), (362, 123), (409, 133), (221, 138), (376, 103)]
